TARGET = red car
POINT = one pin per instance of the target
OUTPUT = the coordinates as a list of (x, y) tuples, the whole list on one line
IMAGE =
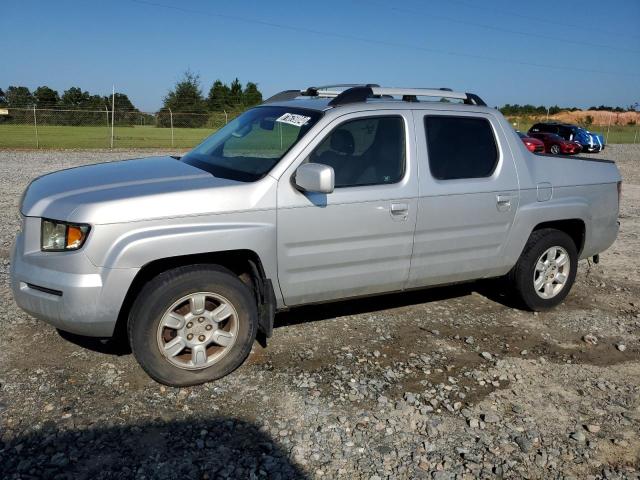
[(533, 144), (556, 144)]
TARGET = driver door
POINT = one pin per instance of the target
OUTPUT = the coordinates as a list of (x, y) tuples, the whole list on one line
[(357, 240)]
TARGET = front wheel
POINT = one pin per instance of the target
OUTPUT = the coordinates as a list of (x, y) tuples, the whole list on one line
[(192, 325), (555, 149), (546, 270)]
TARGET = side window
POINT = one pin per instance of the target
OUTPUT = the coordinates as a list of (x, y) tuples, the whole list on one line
[(366, 151), (460, 147)]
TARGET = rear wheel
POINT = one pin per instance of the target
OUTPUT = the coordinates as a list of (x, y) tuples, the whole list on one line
[(555, 149), (546, 270), (192, 325)]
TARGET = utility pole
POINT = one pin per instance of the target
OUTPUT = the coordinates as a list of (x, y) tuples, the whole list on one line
[(171, 122), (113, 112), (35, 125)]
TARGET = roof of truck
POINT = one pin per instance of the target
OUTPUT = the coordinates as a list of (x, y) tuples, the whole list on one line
[(322, 105), (356, 96)]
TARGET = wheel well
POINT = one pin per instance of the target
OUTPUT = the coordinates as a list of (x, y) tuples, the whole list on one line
[(245, 264), (575, 228)]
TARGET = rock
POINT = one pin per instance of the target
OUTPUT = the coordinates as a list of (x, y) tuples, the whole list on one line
[(469, 340), (474, 423), (593, 428), (410, 398), (490, 417), (524, 443), (486, 356), (621, 347), (59, 460), (590, 339), (442, 475), (578, 437)]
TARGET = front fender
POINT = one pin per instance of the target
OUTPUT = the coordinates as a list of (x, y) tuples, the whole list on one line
[(133, 245)]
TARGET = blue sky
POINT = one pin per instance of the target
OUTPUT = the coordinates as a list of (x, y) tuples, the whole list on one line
[(543, 52)]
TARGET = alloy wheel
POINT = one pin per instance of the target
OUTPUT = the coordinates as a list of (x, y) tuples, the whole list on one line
[(197, 330)]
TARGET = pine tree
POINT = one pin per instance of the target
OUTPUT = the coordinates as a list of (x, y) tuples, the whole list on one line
[(251, 95), (218, 98)]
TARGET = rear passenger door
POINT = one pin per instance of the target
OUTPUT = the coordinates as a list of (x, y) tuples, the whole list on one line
[(468, 197)]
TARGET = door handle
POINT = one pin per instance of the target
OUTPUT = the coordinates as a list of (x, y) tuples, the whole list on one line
[(503, 202), (399, 210)]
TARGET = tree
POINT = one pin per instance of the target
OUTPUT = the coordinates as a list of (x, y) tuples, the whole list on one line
[(46, 97), (19, 97), (126, 112), (74, 97), (121, 101), (218, 96), (3, 99), (186, 96), (251, 95), (235, 95), (587, 121)]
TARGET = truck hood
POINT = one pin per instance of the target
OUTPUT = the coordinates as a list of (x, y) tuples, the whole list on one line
[(132, 190)]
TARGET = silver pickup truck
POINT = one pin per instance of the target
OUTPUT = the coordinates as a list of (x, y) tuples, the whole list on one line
[(313, 196)]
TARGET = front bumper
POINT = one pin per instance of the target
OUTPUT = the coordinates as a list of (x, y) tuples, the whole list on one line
[(591, 148), (67, 291)]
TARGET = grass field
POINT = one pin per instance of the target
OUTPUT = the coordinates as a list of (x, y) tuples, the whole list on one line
[(23, 136)]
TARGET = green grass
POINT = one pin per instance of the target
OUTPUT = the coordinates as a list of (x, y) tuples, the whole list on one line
[(23, 136), (617, 133)]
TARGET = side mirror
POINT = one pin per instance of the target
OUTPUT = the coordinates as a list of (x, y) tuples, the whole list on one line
[(315, 177)]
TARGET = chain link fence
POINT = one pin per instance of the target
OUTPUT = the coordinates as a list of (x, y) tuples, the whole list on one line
[(32, 127), (67, 128)]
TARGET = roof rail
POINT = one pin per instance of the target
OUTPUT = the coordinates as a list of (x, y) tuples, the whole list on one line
[(361, 92), (283, 96)]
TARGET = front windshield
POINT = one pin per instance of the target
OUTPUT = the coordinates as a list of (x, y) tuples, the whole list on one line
[(247, 148)]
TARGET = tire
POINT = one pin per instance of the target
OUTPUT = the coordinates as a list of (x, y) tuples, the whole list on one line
[(555, 149), (527, 274), (162, 318)]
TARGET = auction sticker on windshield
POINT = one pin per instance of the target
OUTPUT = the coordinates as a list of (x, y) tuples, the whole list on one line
[(293, 119)]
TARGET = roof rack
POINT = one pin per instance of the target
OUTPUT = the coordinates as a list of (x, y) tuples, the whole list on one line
[(361, 92)]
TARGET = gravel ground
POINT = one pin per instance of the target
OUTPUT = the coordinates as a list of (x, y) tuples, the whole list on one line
[(444, 383)]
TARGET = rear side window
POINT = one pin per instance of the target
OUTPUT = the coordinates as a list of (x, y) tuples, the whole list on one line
[(460, 147)]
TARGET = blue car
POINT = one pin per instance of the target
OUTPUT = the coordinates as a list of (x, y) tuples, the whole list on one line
[(591, 142)]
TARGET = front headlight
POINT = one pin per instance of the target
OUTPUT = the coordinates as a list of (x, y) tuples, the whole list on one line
[(61, 236)]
